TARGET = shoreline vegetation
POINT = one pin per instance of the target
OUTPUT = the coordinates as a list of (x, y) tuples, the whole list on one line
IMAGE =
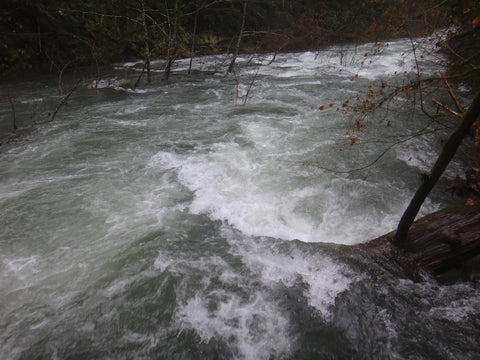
[(82, 36)]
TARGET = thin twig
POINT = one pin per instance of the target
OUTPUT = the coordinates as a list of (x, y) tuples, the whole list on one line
[(12, 102), (99, 14), (250, 87), (446, 108), (236, 85), (60, 76), (62, 102), (452, 95), (140, 76), (382, 154)]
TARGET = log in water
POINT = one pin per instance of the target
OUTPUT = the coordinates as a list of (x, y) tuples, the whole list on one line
[(439, 242)]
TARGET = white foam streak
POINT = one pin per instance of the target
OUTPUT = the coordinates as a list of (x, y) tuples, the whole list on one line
[(22, 268), (163, 262)]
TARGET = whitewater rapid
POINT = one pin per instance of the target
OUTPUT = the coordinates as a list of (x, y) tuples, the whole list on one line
[(177, 221)]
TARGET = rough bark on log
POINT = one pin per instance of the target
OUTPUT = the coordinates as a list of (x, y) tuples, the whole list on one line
[(437, 243)]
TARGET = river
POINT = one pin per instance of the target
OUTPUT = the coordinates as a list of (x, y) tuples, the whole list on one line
[(185, 220)]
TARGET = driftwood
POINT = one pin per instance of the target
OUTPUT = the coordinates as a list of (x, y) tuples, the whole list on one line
[(437, 243)]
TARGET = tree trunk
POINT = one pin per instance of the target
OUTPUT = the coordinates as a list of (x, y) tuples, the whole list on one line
[(194, 37), (147, 47), (438, 242), (239, 40), (172, 39), (63, 101), (12, 103), (449, 149)]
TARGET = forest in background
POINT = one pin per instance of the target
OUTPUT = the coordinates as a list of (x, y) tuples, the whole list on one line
[(53, 36)]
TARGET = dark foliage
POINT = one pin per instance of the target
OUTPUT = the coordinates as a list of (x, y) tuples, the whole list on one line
[(52, 35)]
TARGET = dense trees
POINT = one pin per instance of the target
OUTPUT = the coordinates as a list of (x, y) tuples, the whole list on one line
[(54, 35)]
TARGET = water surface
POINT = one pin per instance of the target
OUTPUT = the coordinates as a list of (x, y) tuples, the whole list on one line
[(177, 222)]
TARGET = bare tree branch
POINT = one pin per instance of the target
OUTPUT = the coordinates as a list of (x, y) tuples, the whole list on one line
[(63, 101)]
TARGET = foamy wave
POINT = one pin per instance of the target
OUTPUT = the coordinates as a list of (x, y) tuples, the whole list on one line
[(255, 327), (325, 278)]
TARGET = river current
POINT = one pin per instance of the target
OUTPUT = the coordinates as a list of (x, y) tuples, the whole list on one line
[(195, 218)]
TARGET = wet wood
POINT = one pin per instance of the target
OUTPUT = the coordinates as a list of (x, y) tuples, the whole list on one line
[(437, 243)]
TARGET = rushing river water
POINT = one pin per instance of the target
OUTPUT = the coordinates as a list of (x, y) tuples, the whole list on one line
[(176, 222)]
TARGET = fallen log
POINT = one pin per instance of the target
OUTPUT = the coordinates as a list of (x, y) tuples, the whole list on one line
[(437, 243)]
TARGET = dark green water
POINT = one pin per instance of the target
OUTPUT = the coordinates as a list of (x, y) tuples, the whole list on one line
[(175, 223)]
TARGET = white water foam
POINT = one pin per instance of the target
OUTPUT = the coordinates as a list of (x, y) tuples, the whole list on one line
[(255, 326), (240, 187), (163, 261), (324, 277), (225, 188), (226, 307), (21, 268)]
